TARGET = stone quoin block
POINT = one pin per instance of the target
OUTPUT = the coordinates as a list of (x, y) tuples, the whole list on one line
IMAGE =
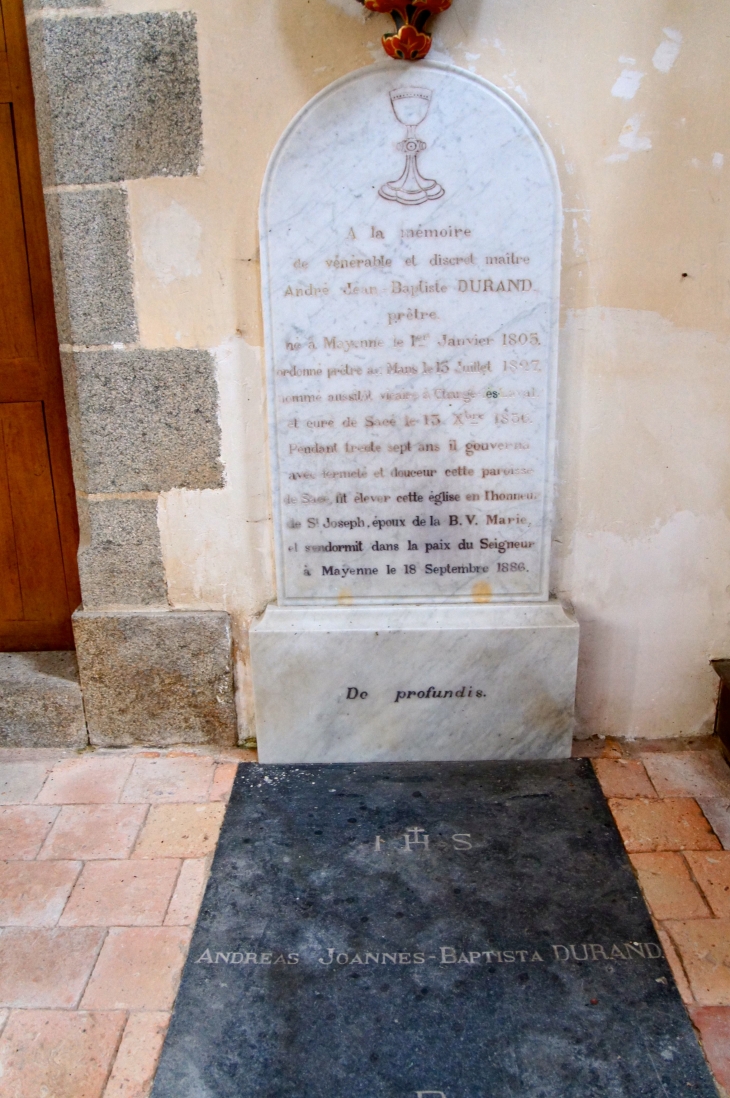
[(147, 420), (122, 565), (92, 269), (117, 96), (40, 700), (156, 678)]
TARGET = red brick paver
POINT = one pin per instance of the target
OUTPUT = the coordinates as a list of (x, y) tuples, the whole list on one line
[(180, 831), (86, 781), (35, 893), (185, 903), (675, 824), (668, 886), (103, 864), (94, 831), (20, 783), (58, 1054), (623, 778), (223, 781), (712, 873), (714, 1026), (704, 945), (136, 1061), (675, 963), (687, 773), (159, 781), (138, 969), (23, 829), (46, 968), (122, 893), (684, 874)]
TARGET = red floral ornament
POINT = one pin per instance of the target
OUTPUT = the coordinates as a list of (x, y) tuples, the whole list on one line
[(411, 41), (435, 7), (407, 44), (386, 7)]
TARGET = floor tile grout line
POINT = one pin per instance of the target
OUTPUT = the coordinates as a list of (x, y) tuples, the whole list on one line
[(127, 780), (49, 771), (698, 1033), (138, 836), (648, 777), (678, 953), (43, 845), (174, 887), (704, 817), (113, 1059), (693, 878), (81, 863), (102, 940), (48, 832)]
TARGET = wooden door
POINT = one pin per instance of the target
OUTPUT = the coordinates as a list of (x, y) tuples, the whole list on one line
[(39, 584)]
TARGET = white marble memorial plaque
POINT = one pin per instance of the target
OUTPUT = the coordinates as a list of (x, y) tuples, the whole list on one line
[(410, 238)]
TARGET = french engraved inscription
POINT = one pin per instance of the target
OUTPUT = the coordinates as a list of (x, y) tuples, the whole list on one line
[(410, 343)]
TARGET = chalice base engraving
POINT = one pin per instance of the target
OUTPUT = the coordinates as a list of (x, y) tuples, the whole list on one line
[(411, 189)]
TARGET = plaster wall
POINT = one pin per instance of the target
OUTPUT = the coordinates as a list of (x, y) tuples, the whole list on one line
[(629, 96)]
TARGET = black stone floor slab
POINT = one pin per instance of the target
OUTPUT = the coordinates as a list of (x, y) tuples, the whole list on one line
[(426, 931)]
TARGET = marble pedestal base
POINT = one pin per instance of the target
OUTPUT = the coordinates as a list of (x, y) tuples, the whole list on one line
[(414, 683)]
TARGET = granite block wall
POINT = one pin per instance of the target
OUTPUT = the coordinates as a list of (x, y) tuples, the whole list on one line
[(121, 562), (92, 270), (118, 96), (118, 99), (156, 678), (149, 419), (626, 96)]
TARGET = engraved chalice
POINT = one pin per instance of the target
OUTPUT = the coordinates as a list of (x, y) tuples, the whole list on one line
[(410, 107)]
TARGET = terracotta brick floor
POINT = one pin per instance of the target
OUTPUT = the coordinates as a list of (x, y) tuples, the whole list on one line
[(104, 858), (672, 808), (103, 862)]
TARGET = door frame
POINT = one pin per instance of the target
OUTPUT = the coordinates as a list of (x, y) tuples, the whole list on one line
[(45, 382)]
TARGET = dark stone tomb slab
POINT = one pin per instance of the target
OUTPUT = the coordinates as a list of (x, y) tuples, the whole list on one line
[(435, 930)]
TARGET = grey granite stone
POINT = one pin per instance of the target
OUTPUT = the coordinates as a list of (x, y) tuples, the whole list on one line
[(122, 564), (443, 930), (156, 678), (147, 420), (40, 700), (73, 420), (117, 96), (35, 5), (92, 269)]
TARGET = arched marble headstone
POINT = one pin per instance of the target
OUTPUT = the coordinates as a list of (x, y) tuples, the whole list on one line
[(410, 241)]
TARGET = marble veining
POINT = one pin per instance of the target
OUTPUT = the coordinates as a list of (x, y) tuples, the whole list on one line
[(410, 231), (368, 684)]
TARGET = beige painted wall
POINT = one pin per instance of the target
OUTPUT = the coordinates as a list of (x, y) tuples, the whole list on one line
[(632, 98)]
